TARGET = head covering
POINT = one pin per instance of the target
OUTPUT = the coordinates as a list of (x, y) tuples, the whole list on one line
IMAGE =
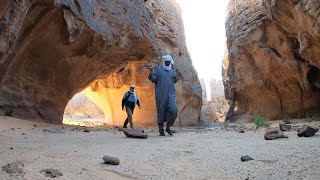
[(167, 58), (132, 86)]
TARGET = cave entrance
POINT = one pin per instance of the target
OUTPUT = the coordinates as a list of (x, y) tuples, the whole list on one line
[(100, 103)]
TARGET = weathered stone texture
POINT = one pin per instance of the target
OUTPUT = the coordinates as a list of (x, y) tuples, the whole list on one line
[(273, 67), (52, 49)]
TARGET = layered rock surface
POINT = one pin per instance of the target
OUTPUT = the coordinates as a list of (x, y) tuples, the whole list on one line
[(52, 49), (273, 67)]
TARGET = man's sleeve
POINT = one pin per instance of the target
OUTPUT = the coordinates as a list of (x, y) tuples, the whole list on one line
[(138, 102), (123, 99), (153, 76)]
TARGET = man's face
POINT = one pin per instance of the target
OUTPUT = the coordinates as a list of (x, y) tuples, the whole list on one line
[(132, 89), (167, 63)]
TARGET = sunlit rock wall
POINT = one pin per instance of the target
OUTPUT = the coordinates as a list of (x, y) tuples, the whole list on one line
[(273, 64)]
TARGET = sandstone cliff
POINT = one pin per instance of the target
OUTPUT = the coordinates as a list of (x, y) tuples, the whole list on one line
[(273, 67), (52, 49)]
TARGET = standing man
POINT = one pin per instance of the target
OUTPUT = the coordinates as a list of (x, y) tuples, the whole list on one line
[(165, 78), (129, 100)]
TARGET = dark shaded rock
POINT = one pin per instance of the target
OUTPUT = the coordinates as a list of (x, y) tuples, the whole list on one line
[(14, 168), (23, 134), (246, 158), (86, 130), (307, 131), (51, 173), (111, 160), (11, 128), (273, 133), (241, 130), (133, 133), (285, 127)]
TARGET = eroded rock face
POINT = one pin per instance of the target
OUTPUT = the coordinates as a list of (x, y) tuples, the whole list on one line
[(273, 67), (52, 49)]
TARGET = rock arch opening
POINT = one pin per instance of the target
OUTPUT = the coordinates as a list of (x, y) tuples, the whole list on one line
[(100, 102), (50, 50)]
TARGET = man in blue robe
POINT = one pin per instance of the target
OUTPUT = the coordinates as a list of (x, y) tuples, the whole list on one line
[(164, 78)]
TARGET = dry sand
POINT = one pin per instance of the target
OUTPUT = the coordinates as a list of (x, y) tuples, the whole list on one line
[(190, 154)]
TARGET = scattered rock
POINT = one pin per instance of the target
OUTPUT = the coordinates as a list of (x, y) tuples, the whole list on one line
[(241, 130), (14, 168), (273, 133), (34, 125), (24, 134), (285, 127), (51, 173), (86, 130), (11, 128), (133, 133), (307, 131), (246, 158), (53, 130), (11, 148), (111, 160)]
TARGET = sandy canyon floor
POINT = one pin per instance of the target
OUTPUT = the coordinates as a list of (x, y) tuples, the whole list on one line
[(192, 153)]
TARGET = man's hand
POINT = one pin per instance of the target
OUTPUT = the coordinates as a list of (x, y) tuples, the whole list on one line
[(139, 107), (150, 67)]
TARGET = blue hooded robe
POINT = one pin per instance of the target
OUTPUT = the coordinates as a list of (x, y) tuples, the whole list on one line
[(165, 94)]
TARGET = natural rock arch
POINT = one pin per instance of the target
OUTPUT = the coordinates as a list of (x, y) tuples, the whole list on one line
[(52, 49)]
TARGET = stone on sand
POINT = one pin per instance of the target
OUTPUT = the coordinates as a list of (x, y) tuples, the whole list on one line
[(246, 158), (134, 133), (111, 160), (273, 133), (307, 131), (285, 127)]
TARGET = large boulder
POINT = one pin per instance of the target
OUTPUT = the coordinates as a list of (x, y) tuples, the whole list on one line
[(208, 111), (53, 49), (272, 67)]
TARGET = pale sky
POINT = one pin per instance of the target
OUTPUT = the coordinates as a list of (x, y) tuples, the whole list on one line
[(205, 33)]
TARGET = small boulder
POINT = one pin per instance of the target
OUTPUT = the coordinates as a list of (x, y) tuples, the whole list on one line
[(246, 158), (241, 130), (111, 160), (307, 131), (86, 130), (273, 133), (133, 133), (285, 127)]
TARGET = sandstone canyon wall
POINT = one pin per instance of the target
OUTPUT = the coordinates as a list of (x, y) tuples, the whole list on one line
[(53, 49), (273, 64)]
